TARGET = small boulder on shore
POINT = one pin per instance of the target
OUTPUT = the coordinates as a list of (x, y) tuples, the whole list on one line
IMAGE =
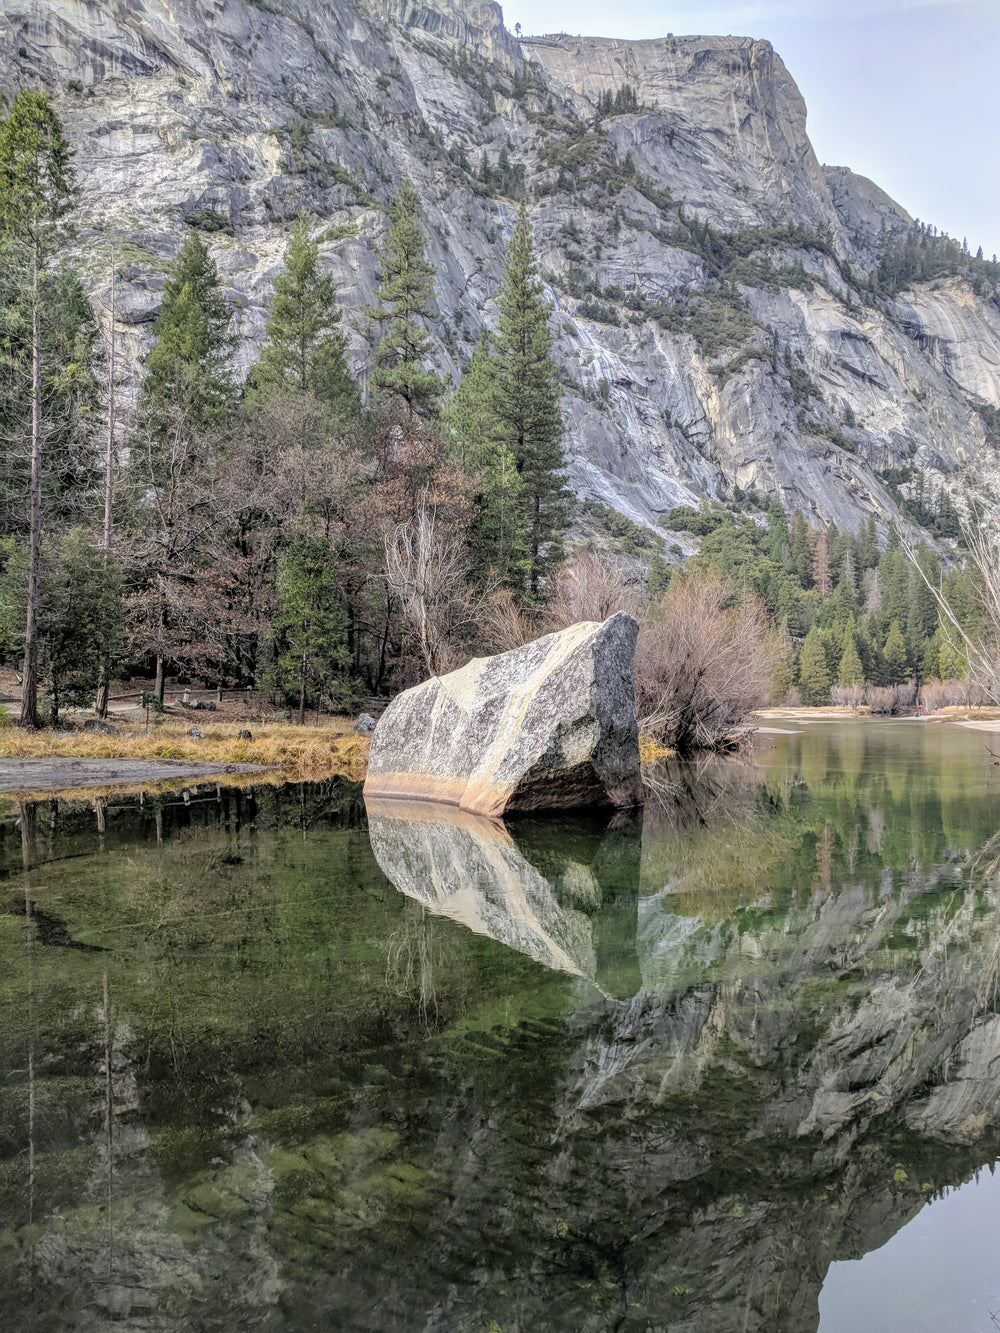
[(549, 726)]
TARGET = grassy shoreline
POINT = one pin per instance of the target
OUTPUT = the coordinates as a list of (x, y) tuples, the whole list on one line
[(297, 753)]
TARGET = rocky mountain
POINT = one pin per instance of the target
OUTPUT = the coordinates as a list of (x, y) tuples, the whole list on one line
[(729, 314)]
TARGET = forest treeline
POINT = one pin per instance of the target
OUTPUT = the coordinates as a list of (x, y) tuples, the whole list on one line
[(288, 534), (857, 618), (278, 532)]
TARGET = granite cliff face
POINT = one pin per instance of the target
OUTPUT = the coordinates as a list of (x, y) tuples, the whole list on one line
[(691, 367)]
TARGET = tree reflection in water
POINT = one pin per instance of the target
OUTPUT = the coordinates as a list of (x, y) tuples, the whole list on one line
[(573, 1076)]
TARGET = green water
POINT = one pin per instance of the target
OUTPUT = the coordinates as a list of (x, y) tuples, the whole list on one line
[(268, 1063)]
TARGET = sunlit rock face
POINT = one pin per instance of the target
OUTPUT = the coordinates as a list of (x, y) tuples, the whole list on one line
[(549, 726), (186, 111)]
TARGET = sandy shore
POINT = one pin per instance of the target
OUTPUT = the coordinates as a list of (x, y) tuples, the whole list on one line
[(977, 719)]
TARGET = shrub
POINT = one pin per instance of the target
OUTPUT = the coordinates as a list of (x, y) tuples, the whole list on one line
[(887, 699), (205, 219), (592, 587), (848, 696), (703, 665)]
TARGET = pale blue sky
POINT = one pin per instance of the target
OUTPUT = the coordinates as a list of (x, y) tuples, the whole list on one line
[(904, 91)]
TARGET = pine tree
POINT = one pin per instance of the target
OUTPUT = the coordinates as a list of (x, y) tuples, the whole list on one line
[(498, 543), (302, 350), (37, 190), (659, 577), (82, 620), (470, 419), (868, 544), (814, 677), (777, 527), (187, 393), (897, 662), (310, 625), (931, 664), (850, 672), (526, 401), (187, 385), (800, 554), (405, 302), (922, 611)]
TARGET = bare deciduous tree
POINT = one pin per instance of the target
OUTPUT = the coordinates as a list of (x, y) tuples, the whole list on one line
[(594, 586), (702, 665), (428, 572)]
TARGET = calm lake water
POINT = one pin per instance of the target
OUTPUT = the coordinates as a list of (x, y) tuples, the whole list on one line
[(270, 1061)]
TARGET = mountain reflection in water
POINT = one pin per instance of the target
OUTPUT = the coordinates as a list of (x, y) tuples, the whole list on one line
[(572, 1076)]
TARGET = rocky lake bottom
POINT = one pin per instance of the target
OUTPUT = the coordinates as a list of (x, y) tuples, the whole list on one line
[(270, 1060)]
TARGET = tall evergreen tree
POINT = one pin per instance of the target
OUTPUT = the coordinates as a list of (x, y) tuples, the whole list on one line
[(526, 401), (897, 662), (37, 189), (405, 298), (850, 671), (814, 676), (922, 610), (303, 350), (868, 544), (499, 545), (186, 395), (800, 555), (187, 385), (310, 624), (82, 620)]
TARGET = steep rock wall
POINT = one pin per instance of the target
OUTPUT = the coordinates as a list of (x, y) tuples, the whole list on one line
[(183, 107)]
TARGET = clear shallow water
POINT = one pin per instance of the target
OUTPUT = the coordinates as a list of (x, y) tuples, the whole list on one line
[(265, 1063)]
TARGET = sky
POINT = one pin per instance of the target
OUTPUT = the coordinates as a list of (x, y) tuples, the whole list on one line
[(906, 92)]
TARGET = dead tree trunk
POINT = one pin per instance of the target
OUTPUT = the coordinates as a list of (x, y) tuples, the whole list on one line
[(101, 703), (29, 694)]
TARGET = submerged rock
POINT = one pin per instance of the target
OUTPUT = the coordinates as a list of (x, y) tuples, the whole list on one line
[(551, 725)]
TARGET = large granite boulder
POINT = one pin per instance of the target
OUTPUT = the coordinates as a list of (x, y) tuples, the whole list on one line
[(551, 726)]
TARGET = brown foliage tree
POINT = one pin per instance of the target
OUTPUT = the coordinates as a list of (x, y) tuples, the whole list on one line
[(703, 665)]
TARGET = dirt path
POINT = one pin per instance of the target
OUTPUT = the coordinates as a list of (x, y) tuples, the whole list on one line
[(34, 775)]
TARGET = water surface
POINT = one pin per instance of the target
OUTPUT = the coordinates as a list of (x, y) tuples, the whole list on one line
[(734, 1064)]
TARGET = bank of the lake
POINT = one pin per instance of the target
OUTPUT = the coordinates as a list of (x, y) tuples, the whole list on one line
[(124, 755)]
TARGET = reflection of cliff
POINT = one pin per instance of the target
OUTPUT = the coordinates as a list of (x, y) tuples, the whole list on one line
[(804, 1047)]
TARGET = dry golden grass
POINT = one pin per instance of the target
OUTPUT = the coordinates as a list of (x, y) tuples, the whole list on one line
[(299, 753), (651, 751)]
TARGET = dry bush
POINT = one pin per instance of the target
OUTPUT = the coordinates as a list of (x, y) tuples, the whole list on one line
[(891, 698), (848, 696), (588, 587), (702, 666), (936, 694), (504, 625), (593, 587), (951, 693)]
